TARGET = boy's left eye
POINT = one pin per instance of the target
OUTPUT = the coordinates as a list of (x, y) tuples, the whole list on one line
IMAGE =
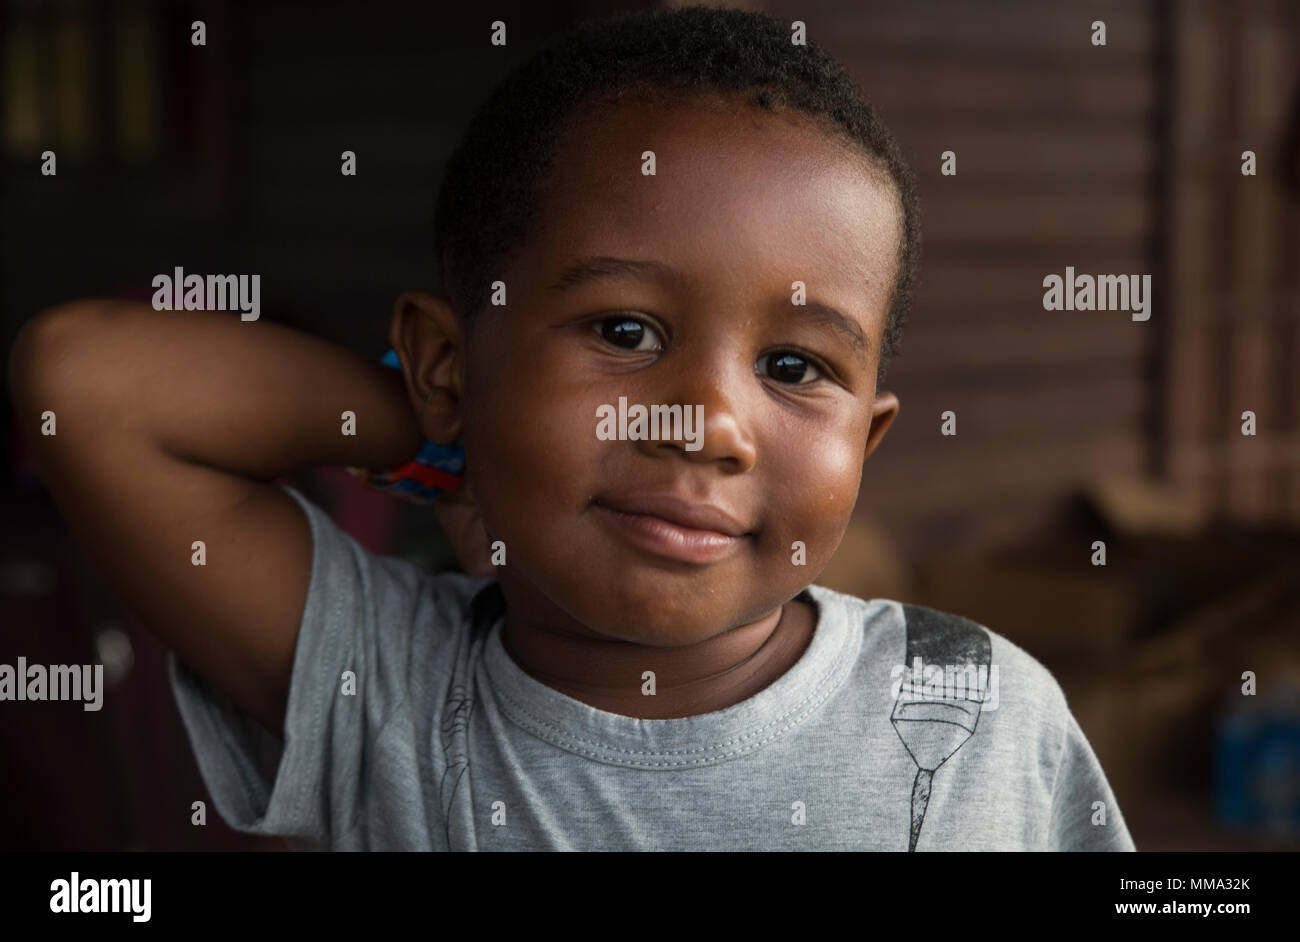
[(627, 332), (787, 367)]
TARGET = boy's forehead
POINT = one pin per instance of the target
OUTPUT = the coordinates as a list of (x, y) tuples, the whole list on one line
[(735, 193)]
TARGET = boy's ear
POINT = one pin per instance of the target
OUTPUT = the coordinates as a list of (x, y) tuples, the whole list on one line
[(426, 335), (882, 416)]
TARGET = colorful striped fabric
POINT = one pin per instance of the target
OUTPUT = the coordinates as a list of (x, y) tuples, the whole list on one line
[(437, 469)]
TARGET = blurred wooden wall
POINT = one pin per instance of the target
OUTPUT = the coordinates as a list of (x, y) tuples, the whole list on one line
[(1115, 159), (1234, 250)]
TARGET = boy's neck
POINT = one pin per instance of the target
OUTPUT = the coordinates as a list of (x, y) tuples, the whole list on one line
[(693, 680)]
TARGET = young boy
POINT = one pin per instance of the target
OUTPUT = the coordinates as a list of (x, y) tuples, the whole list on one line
[(644, 663)]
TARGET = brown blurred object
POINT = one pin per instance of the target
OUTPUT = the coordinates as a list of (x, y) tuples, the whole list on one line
[(1150, 648), (867, 564), (1151, 711)]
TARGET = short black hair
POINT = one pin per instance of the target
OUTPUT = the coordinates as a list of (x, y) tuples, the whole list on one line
[(488, 202)]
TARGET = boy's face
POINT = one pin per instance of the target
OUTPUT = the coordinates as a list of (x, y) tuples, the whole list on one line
[(741, 205)]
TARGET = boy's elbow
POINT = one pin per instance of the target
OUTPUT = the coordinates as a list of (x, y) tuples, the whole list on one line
[(44, 358)]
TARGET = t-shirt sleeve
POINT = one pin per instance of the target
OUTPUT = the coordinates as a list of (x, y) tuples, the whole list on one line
[(310, 786), (1078, 822)]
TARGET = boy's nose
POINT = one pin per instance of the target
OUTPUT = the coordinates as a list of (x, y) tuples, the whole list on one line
[(717, 415)]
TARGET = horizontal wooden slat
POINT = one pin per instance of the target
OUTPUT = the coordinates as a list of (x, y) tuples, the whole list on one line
[(1041, 407), (964, 471), (1201, 456), (1006, 286), (1024, 154), (1028, 29), (415, 26), (974, 216), (1046, 343), (1010, 88)]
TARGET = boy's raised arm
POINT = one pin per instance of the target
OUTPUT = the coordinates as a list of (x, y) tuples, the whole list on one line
[(169, 427)]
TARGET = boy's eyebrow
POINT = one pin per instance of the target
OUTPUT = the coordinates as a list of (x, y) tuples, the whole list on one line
[(603, 267), (820, 313)]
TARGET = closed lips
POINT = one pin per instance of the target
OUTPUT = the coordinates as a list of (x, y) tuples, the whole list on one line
[(680, 512)]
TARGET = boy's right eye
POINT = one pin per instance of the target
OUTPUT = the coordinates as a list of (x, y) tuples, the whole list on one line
[(628, 332)]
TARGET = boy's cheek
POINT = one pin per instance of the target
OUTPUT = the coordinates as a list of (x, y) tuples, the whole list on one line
[(814, 520), (801, 548)]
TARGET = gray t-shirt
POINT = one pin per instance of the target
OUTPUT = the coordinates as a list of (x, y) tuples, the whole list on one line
[(444, 743)]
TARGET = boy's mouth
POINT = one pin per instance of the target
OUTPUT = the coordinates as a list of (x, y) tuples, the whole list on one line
[(673, 528)]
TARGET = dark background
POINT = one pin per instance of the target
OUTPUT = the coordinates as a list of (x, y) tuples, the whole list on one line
[(1073, 426)]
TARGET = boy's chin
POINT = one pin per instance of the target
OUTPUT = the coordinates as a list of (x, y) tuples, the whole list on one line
[(650, 605), (661, 623)]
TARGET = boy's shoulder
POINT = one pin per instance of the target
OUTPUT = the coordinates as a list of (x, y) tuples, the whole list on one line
[(376, 586), (930, 625), (931, 651), (985, 727)]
